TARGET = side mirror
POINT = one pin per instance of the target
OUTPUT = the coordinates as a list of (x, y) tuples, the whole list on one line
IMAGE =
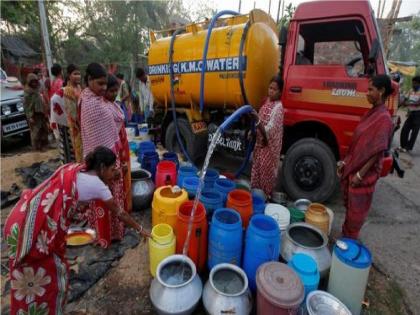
[(373, 54), (283, 36)]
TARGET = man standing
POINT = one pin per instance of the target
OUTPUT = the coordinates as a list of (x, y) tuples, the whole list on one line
[(411, 126), (123, 97), (144, 94)]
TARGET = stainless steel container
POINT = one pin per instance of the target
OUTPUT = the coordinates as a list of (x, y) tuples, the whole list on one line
[(177, 288), (142, 188), (302, 204), (226, 291), (323, 303), (304, 238)]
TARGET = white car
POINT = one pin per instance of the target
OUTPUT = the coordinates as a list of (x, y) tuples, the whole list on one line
[(13, 118)]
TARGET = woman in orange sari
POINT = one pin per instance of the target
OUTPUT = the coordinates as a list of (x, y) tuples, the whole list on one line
[(124, 152), (71, 97)]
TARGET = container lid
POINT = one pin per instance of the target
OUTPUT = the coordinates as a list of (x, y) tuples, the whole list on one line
[(280, 285), (353, 253), (279, 213), (304, 264)]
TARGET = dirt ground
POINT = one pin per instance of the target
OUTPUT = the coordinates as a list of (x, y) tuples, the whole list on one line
[(125, 288)]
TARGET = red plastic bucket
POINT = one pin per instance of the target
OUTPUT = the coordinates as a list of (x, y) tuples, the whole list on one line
[(165, 174)]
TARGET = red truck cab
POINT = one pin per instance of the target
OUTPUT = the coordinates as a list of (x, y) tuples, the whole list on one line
[(331, 50)]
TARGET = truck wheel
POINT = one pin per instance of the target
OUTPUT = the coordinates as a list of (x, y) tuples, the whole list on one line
[(196, 145), (309, 170)]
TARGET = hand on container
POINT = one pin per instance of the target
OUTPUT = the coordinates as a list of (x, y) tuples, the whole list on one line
[(356, 180), (143, 232), (340, 168)]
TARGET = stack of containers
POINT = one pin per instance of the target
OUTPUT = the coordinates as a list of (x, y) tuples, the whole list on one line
[(212, 200), (186, 171), (211, 176), (190, 184), (307, 270), (225, 238), (280, 214), (262, 244), (224, 186)]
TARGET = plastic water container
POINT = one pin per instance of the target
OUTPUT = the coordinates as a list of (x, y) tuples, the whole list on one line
[(225, 238), (150, 161), (145, 146), (171, 156), (144, 132), (349, 273), (186, 171), (211, 176), (197, 249), (224, 186), (258, 204), (307, 270), (280, 291), (190, 184), (241, 201), (165, 205), (165, 174), (280, 214), (161, 245), (134, 127), (212, 200), (296, 215), (262, 244)]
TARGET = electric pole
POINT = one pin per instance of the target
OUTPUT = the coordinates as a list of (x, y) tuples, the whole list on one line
[(45, 37)]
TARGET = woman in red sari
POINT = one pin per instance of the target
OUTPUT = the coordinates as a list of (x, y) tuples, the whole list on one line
[(100, 126), (266, 157), (361, 168), (124, 152), (36, 227)]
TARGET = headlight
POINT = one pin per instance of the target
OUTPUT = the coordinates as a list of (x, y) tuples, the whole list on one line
[(19, 106), (6, 110)]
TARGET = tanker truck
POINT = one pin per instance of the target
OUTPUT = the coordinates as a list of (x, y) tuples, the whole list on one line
[(203, 72)]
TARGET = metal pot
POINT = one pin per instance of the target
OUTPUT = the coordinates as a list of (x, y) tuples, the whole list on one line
[(227, 292), (142, 188), (304, 238), (177, 288), (302, 204)]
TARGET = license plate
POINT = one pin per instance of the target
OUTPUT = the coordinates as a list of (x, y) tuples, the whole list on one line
[(15, 126)]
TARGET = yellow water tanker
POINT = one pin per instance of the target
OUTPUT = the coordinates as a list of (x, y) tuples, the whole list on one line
[(259, 60)]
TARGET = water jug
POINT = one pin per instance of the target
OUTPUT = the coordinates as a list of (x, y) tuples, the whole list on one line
[(262, 244), (349, 273), (171, 156), (161, 245), (307, 270), (190, 184), (211, 200), (241, 201), (186, 171), (317, 216), (225, 238), (211, 176), (165, 204), (224, 186), (165, 174)]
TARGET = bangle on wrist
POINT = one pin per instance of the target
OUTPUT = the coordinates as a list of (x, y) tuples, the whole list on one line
[(359, 176)]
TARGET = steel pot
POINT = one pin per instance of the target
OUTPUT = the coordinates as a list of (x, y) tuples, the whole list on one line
[(304, 238), (177, 288), (142, 188), (227, 292)]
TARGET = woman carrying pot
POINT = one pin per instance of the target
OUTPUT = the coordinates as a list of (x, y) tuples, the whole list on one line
[(36, 228), (361, 167)]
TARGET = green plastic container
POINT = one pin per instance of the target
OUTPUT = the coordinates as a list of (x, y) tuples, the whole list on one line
[(296, 215)]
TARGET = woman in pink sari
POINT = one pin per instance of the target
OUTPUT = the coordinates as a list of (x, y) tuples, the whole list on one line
[(36, 228), (266, 156), (100, 126)]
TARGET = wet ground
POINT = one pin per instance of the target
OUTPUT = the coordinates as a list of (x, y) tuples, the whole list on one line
[(392, 233)]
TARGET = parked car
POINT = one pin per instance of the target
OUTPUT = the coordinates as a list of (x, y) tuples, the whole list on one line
[(13, 119)]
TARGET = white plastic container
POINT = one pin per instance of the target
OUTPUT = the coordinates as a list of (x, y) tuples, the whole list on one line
[(280, 214), (349, 273)]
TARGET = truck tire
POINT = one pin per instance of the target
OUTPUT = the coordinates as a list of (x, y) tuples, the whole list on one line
[(309, 170), (196, 145)]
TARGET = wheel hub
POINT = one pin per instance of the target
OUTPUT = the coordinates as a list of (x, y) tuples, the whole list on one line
[(308, 172)]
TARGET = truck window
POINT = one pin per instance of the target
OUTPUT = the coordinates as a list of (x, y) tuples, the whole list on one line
[(333, 43)]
